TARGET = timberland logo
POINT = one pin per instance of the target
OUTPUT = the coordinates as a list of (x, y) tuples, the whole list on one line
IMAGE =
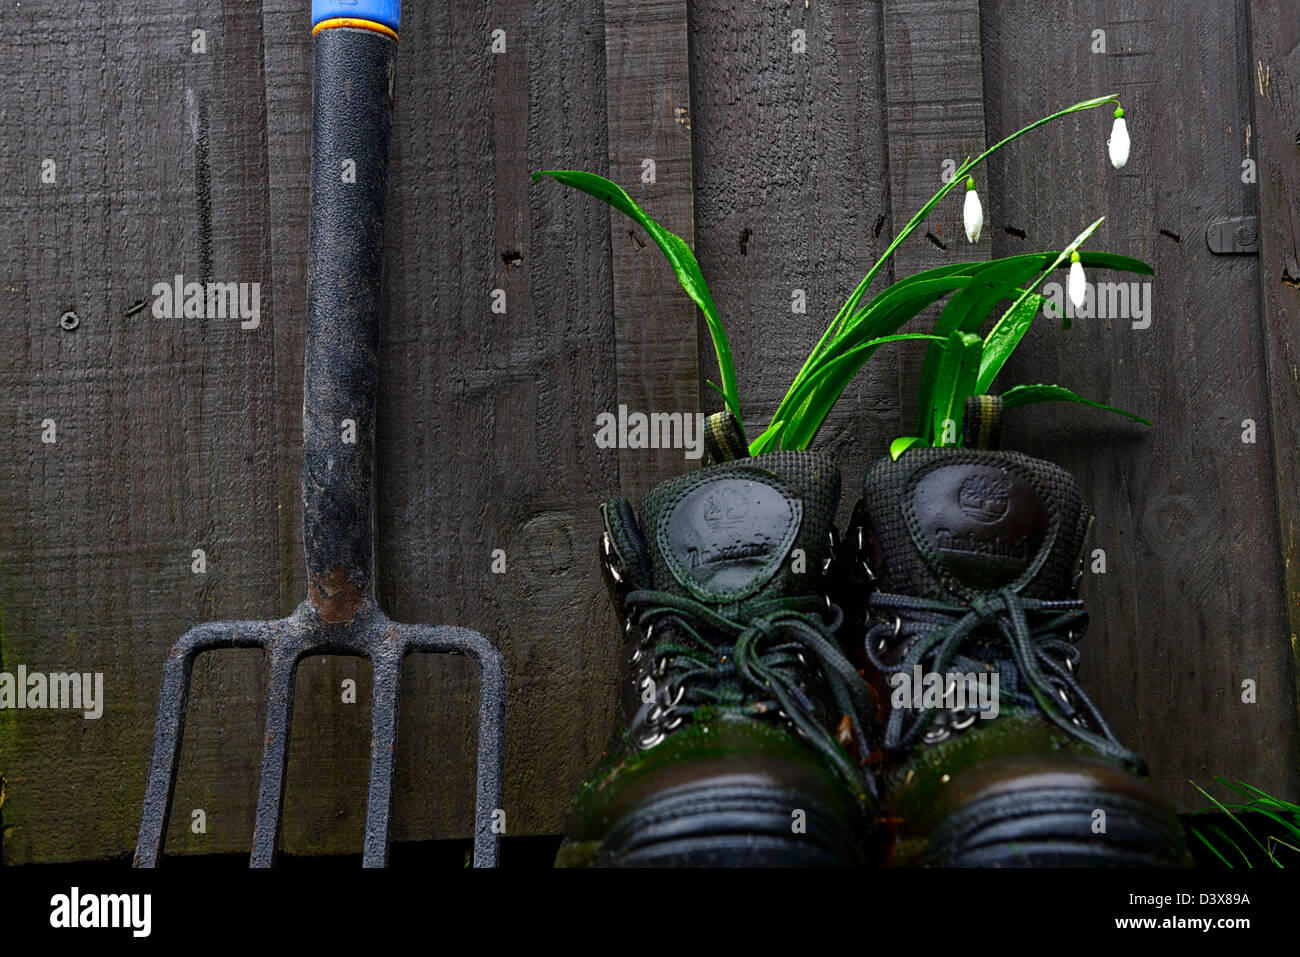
[(726, 538), (964, 693), (724, 514), (985, 499), (703, 557), (968, 543), (56, 691), (984, 523)]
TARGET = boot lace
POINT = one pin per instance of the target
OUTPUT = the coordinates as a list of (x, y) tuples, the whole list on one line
[(1044, 654), (708, 661)]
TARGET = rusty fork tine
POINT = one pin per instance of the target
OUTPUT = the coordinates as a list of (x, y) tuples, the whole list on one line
[(491, 727), (170, 730), (491, 722), (387, 661), (275, 753)]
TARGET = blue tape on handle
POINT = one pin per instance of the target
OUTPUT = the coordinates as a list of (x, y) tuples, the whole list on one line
[(387, 12)]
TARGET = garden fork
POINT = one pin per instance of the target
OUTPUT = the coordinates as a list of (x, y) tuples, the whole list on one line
[(353, 49)]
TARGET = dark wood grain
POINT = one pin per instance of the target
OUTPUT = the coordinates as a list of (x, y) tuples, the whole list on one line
[(792, 193), (1190, 605), (163, 424), (934, 90), (786, 171), (1274, 68), (658, 328), (487, 419)]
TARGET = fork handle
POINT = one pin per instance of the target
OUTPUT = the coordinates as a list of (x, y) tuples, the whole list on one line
[(354, 47)]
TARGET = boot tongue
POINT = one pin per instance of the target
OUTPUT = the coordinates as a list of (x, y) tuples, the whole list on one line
[(746, 530), (959, 521)]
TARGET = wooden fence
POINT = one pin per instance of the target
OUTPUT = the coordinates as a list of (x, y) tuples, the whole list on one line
[(789, 141)]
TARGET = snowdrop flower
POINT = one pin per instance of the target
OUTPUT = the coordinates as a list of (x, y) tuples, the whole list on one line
[(974, 212), (1077, 284), (1118, 141)]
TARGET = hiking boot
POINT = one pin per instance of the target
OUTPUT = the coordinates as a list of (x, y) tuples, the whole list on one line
[(736, 695), (969, 562)]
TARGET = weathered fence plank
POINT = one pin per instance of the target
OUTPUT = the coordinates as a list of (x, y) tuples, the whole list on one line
[(159, 436), (1189, 606), (792, 199), (934, 88), (1274, 68), (658, 328), (802, 137), (486, 417)]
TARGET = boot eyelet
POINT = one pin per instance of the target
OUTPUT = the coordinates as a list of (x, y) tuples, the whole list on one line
[(967, 718), (883, 643), (935, 735), (607, 559)]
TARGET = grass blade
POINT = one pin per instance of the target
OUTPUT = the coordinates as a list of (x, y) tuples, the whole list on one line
[(679, 256), (1019, 395), (1235, 820)]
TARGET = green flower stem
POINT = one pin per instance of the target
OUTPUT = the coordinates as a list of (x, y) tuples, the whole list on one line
[(836, 327)]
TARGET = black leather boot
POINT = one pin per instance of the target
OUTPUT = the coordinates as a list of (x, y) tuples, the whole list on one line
[(969, 562), (736, 694)]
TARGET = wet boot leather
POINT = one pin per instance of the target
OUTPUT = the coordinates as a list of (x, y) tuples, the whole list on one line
[(971, 559), (735, 690)]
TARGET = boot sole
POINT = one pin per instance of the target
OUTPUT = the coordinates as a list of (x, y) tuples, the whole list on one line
[(723, 826), (1049, 827)]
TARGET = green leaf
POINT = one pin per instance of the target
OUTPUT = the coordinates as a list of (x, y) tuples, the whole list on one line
[(814, 397), (1007, 336), (902, 444), (679, 257), (955, 275), (1019, 395), (959, 176), (770, 435), (805, 411), (954, 381), (1237, 821), (820, 390), (966, 312), (987, 285), (1196, 832)]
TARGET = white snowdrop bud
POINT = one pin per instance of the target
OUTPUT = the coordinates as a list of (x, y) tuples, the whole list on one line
[(1077, 285), (974, 212), (1118, 142)]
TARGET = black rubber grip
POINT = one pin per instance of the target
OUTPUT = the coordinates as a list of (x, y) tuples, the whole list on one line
[(351, 128)]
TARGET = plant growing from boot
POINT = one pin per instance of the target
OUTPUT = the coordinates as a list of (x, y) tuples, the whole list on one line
[(958, 363)]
